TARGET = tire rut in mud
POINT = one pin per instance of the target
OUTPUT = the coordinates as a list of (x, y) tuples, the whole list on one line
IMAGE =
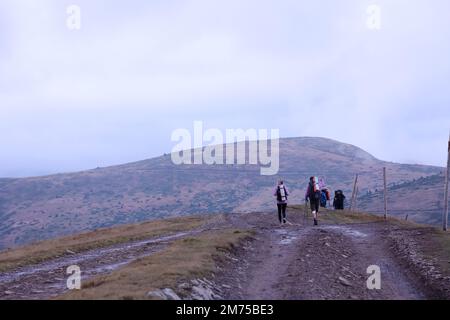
[(302, 262), (49, 279)]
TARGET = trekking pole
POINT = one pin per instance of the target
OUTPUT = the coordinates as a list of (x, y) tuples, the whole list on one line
[(306, 210)]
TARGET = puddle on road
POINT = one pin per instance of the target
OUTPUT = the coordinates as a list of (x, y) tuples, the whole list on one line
[(288, 240), (287, 237), (347, 231)]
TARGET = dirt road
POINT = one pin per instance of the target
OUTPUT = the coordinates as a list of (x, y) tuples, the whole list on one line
[(294, 261), (49, 279), (299, 261)]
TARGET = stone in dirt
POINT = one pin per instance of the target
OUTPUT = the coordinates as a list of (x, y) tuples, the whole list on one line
[(208, 282), (184, 285), (37, 291), (164, 294), (345, 282), (157, 294), (203, 292), (170, 294)]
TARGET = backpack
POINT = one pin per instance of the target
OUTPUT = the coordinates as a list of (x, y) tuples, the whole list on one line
[(313, 193), (339, 200), (281, 193), (316, 184), (314, 189), (323, 199), (338, 194)]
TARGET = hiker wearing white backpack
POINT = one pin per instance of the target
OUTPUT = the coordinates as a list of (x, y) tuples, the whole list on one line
[(281, 192)]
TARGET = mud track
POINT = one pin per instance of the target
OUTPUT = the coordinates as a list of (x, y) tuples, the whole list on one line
[(295, 261), (299, 261), (49, 279)]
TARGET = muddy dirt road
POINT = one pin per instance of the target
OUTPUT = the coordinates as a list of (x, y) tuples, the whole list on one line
[(298, 261), (293, 261), (49, 279)]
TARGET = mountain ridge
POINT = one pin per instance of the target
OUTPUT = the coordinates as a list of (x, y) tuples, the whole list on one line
[(38, 208)]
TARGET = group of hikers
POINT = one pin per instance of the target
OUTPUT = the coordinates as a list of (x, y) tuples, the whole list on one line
[(316, 193)]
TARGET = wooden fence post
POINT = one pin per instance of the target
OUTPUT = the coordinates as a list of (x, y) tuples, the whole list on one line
[(356, 199), (352, 203), (445, 213), (385, 193)]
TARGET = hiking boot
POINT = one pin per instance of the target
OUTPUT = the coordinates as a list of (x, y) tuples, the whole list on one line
[(315, 222), (284, 221)]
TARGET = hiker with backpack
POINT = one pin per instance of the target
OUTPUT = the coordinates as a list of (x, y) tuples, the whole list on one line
[(324, 193), (313, 194), (338, 202), (281, 192), (324, 197)]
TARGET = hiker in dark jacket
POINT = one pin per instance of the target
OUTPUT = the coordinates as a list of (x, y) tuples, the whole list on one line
[(281, 192), (338, 202), (312, 194)]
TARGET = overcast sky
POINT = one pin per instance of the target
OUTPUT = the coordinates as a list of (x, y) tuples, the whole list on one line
[(114, 91)]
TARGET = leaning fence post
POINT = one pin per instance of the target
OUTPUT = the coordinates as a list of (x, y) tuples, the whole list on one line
[(356, 199), (385, 193), (445, 213), (352, 203)]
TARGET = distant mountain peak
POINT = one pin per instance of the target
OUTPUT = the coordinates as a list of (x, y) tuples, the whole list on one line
[(332, 146)]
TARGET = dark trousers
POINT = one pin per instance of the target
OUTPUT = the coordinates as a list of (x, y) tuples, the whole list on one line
[(281, 211), (339, 204), (315, 202)]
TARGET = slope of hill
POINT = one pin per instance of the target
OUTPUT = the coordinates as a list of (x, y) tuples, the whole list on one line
[(237, 256), (39, 208), (422, 200)]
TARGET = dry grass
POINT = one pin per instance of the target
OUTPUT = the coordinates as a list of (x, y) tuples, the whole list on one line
[(349, 217), (339, 217), (190, 258), (48, 249)]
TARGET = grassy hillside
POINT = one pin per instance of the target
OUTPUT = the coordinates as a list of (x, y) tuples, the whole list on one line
[(40, 208), (422, 200)]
